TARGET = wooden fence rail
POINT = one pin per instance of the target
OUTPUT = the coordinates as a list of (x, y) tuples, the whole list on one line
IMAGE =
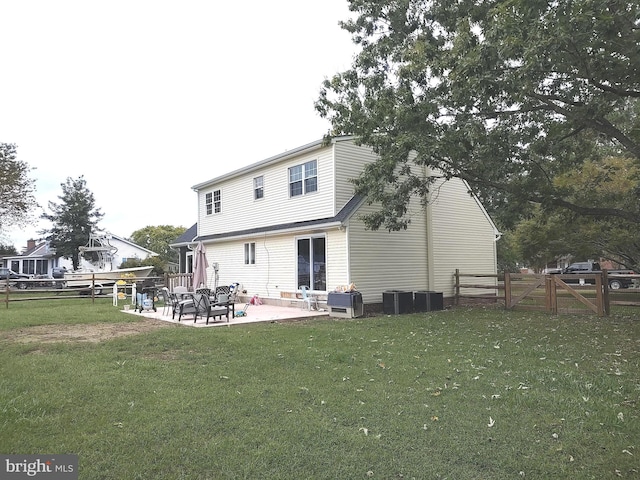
[(550, 293)]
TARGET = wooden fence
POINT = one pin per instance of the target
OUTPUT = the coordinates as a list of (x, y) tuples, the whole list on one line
[(54, 289), (549, 293)]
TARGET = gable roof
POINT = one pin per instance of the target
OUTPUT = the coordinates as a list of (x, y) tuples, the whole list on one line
[(187, 237), (135, 245), (41, 249)]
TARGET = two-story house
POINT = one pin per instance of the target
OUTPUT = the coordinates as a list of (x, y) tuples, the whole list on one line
[(293, 220)]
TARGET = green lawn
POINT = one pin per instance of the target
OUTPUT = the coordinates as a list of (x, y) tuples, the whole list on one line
[(460, 394)]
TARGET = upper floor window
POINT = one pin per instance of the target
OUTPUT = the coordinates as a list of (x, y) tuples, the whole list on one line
[(213, 202), (303, 178), (258, 188)]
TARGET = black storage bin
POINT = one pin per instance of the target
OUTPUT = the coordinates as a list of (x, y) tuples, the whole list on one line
[(395, 302), (426, 301)]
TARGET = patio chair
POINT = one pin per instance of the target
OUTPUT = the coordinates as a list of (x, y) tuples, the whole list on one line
[(204, 291), (185, 307), (167, 300), (307, 298), (175, 303), (180, 291), (204, 307), (222, 290)]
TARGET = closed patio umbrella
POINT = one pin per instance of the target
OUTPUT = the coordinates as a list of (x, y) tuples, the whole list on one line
[(200, 265)]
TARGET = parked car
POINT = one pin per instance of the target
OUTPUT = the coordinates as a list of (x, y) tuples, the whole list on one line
[(58, 272), (8, 274), (594, 267)]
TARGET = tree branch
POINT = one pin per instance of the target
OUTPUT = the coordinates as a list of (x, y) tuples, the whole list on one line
[(599, 124)]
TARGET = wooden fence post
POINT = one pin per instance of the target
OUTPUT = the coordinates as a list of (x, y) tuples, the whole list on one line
[(507, 290), (605, 296), (551, 295)]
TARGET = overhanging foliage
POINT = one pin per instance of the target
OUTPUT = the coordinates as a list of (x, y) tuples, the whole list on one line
[(509, 96)]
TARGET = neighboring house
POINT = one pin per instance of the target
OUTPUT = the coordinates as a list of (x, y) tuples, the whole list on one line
[(39, 258), (184, 244), (293, 220)]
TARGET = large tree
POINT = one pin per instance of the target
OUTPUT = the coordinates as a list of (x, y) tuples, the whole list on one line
[(507, 95), (73, 219), (16, 188), (7, 250), (157, 239), (553, 232)]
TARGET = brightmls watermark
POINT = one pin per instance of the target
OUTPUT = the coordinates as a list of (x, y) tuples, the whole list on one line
[(45, 467)]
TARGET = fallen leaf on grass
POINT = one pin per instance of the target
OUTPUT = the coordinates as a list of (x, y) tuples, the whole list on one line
[(365, 430), (491, 423)]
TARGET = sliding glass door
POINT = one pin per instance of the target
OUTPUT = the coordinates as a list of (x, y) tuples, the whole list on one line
[(312, 263)]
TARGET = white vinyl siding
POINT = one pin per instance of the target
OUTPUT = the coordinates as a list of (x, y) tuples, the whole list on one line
[(463, 237), (382, 260), (241, 212), (349, 162), (337, 259)]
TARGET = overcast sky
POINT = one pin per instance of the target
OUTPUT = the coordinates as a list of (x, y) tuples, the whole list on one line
[(147, 98)]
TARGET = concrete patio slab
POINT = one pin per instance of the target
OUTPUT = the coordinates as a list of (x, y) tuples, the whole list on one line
[(255, 313)]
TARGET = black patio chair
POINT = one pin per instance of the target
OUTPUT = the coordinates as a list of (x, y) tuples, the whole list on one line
[(204, 291), (205, 309), (222, 290), (186, 306)]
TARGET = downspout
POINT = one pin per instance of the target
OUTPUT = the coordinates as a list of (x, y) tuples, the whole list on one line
[(347, 246), (431, 276)]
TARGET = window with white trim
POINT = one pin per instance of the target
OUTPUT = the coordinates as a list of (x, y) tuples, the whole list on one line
[(250, 253), (258, 188), (303, 178), (213, 202)]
